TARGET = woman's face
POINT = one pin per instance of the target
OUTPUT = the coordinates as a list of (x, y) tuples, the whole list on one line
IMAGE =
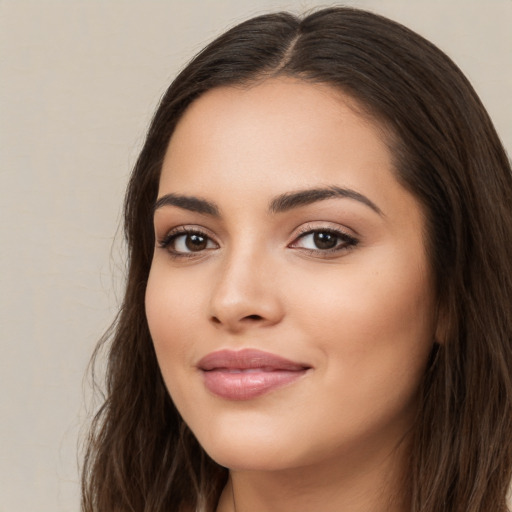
[(290, 300)]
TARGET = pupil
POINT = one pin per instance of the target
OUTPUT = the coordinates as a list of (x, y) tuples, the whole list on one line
[(195, 242), (325, 240)]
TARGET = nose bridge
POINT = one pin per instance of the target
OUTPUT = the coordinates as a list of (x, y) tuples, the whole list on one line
[(245, 291)]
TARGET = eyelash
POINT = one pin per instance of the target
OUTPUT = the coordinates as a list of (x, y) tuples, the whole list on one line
[(171, 237), (346, 241)]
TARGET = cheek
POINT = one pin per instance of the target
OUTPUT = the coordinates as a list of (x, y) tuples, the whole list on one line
[(386, 290), (172, 310), (376, 334), (373, 323)]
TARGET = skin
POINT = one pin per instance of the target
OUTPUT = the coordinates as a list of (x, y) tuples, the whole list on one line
[(362, 317)]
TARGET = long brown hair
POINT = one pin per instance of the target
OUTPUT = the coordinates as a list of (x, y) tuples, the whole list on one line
[(142, 457)]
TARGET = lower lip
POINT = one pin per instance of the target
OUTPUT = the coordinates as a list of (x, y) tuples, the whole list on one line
[(247, 385)]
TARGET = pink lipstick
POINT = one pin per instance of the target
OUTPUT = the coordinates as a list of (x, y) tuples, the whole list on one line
[(248, 373)]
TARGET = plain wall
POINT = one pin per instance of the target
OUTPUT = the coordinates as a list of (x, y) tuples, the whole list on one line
[(78, 83)]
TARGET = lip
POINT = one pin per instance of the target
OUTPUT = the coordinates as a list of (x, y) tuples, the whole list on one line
[(247, 374)]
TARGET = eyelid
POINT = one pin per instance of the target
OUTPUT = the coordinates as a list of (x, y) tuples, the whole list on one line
[(182, 230), (317, 226), (349, 240), (344, 235)]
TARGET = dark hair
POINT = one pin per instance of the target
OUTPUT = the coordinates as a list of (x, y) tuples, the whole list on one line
[(142, 457)]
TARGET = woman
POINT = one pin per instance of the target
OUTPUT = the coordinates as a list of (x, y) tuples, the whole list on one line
[(317, 312)]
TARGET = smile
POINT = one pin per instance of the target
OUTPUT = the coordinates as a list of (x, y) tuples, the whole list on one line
[(247, 374)]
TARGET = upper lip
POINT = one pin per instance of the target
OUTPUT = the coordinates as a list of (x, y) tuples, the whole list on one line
[(248, 359)]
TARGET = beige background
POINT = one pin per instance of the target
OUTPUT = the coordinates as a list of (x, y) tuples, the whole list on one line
[(78, 83)]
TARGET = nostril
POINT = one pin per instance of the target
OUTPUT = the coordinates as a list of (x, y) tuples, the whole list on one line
[(253, 317), (246, 319)]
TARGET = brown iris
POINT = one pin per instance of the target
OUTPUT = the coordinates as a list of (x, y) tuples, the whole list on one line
[(325, 240), (195, 242)]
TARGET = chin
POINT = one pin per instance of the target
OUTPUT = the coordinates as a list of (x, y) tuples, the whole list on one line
[(249, 446), (249, 457)]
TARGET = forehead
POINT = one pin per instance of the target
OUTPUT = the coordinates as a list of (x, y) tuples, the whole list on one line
[(283, 127)]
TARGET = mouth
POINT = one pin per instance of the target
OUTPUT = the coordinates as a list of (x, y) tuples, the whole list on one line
[(247, 374)]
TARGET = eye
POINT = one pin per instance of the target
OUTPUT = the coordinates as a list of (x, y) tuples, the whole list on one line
[(324, 240), (185, 242)]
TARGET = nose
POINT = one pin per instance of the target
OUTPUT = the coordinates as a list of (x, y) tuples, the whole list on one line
[(246, 294)]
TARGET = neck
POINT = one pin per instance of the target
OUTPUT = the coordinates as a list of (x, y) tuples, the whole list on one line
[(352, 487)]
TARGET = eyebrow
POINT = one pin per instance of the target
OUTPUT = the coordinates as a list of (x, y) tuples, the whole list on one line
[(292, 200), (191, 203), (279, 204)]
